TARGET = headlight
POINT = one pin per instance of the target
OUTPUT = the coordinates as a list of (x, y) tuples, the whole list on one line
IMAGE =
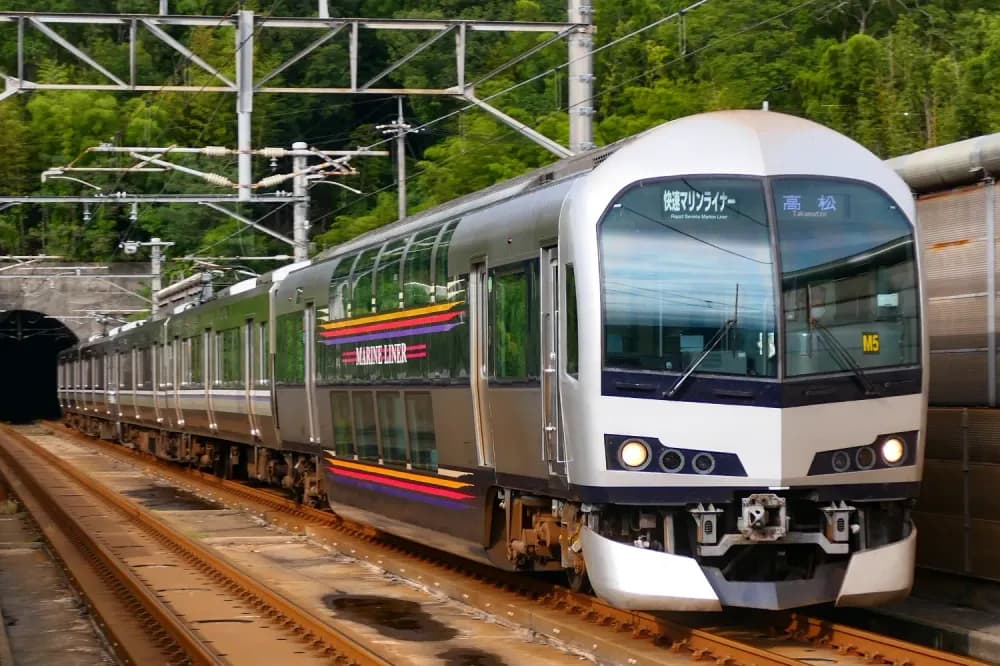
[(633, 454), (865, 457), (841, 461), (704, 463), (893, 450), (671, 460)]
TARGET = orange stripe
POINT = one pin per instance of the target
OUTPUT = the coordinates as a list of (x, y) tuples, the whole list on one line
[(954, 243), (400, 314), (446, 483)]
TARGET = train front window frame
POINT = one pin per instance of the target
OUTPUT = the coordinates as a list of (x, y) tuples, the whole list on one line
[(883, 258), (853, 297), (679, 231)]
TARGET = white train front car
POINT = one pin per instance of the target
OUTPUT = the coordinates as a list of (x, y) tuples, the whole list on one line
[(744, 404)]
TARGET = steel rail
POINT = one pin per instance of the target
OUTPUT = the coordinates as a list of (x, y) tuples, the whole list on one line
[(871, 646), (310, 627), (128, 643), (841, 640)]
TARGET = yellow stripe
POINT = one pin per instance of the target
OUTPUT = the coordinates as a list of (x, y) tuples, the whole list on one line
[(430, 309), (447, 483)]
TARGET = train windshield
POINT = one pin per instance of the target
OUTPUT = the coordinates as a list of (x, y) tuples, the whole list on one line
[(686, 261), (849, 279)]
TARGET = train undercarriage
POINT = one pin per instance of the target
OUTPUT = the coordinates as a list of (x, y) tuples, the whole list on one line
[(296, 472)]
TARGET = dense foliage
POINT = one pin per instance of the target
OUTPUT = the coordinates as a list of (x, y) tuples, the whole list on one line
[(897, 75)]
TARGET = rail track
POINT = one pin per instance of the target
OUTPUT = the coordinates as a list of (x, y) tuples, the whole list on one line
[(609, 634), (158, 595)]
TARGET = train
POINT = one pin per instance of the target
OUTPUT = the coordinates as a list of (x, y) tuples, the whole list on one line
[(686, 370)]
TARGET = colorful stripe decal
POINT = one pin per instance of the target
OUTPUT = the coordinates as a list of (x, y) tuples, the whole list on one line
[(412, 312), (404, 485), (423, 330), (399, 474), (406, 495), (391, 325)]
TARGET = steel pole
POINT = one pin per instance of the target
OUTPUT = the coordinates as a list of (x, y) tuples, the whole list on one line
[(581, 77), (401, 128), (244, 101), (157, 281), (300, 230)]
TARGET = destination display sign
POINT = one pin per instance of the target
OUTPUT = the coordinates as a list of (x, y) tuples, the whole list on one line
[(818, 205), (697, 205)]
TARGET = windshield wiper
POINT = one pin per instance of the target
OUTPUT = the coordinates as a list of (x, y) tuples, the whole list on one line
[(712, 344), (844, 359)]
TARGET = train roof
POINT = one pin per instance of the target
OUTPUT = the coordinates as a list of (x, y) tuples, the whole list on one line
[(745, 143)]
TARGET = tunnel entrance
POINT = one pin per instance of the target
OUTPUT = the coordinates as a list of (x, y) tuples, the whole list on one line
[(29, 345)]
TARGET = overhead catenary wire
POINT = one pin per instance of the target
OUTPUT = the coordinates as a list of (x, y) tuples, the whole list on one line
[(658, 22)]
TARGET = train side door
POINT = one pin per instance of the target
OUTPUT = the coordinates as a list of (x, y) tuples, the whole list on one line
[(136, 361), (250, 352), (553, 451), (309, 326), (479, 342), (180, 359), (156, 381), (210, 353)]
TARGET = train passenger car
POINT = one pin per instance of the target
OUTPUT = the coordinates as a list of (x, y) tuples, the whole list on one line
[(690, 366), (193, 386)]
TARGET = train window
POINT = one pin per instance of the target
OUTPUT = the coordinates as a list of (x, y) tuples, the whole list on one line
[(391, 426), (364, 425), (442, 292), (849, 278), (217, 351), (420, 426), (146, 367), (362, 298), (513, 328), (387, 284), (196, 360), (343, 430), (572, 332), (230, 354), (417, 285), (263, 349), (290, 364), (687, 277), (449, 351), (167, 365), (340, 289), (125, 366)]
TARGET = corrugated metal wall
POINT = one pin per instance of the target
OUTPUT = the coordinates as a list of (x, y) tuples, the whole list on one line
[(958, 514), (956, 255)]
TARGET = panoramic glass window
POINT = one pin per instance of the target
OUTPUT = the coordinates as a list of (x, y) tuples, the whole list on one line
[(685, 261), (849, 280)]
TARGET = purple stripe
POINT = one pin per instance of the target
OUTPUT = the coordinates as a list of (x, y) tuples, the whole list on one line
[(391, 490), (406, 333)]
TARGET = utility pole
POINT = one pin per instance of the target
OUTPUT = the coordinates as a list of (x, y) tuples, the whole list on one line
[(156, 261), (300, 230), (400, 129), (581, 76)]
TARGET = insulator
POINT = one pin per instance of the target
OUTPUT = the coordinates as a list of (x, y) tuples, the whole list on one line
[(215, 151), (272, 180), (216, 179)]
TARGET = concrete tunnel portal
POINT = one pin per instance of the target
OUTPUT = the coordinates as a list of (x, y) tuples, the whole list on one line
[(30, 342)]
